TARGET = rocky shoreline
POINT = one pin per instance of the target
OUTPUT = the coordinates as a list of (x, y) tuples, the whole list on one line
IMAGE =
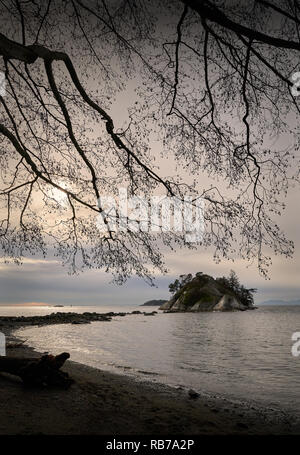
[(16, 322), (101, 402)]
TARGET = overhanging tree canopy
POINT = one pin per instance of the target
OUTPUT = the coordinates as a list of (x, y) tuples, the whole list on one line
[(213, 82)]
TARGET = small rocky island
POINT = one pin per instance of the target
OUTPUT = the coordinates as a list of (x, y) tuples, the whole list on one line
[(205, 293), (154, 302)]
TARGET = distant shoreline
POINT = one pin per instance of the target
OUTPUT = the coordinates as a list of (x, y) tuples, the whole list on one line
[(65, 318), (156, 303), (279, 303), (101, 402)]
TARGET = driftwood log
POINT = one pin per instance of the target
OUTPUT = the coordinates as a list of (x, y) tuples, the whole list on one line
[(44, 371)]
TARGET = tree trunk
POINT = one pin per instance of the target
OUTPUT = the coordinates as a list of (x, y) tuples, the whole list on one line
[(38, 372)]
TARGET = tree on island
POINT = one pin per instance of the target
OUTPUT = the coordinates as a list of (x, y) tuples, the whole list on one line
[(230, 283), (179, 283), (213, 84)]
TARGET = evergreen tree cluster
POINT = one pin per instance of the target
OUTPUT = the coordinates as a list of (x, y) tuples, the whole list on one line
[(231, 283)]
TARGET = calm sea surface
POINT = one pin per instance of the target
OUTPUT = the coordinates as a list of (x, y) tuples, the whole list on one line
[(244, 355)]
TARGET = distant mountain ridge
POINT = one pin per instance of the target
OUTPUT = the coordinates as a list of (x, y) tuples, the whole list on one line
[(280, 302)]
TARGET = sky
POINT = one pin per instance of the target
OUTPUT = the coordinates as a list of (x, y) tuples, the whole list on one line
[(46, 281)]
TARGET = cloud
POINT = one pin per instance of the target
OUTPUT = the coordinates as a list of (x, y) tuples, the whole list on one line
[(46, 280), (27, 262)]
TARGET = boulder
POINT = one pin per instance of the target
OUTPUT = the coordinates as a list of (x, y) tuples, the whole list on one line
[(167, 305), (229, 303)]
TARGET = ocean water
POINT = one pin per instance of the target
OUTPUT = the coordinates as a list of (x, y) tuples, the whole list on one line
[(242, 356)]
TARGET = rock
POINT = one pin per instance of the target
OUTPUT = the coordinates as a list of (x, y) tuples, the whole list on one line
[(44, 371), (167, 305), (204, 293), (229, 303), (57, 318), (80, 322), (193, 395), (154, 302), (242, 425)]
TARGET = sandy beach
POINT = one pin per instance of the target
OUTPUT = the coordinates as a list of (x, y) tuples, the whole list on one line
[(103, 403)]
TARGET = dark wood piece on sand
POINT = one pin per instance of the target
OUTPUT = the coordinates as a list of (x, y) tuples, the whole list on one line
[(44, 371)]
